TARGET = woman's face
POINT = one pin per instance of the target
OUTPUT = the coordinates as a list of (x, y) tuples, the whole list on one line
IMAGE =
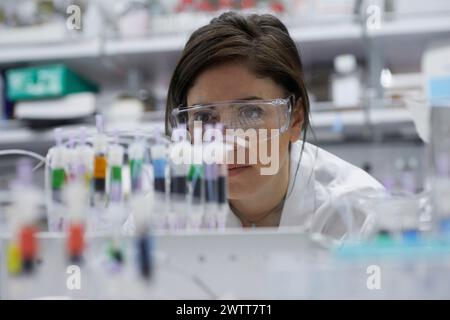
[(234, 81)]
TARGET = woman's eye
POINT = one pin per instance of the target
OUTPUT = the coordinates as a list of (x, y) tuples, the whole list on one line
[(251, 112), (203, 117)]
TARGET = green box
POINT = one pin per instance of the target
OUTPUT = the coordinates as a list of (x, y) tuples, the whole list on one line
[(49, 81)]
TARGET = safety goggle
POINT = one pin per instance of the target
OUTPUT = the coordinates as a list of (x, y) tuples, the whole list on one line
[(237, 114)]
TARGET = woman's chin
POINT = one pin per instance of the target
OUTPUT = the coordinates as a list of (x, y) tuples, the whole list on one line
[(245, 183), (238, 190)]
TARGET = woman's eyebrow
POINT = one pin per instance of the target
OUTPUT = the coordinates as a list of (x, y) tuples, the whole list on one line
[(249, 98)]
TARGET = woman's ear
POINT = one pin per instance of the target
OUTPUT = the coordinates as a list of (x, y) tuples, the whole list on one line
[(297, 120)]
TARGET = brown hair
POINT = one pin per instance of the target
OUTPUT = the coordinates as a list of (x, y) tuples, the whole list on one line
[(261, 42)]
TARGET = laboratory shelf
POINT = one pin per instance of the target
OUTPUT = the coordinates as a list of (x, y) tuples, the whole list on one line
[(151, 44), (175, 42), (50, 51), (360, 116), (401, 43), (313, 36), (16, 133), (412, 26), (325, 32)]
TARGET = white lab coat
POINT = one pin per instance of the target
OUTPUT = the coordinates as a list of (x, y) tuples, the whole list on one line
[(325, 187)]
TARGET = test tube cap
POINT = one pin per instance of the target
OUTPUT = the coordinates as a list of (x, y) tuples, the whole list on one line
[(58, 136), (99, 123)]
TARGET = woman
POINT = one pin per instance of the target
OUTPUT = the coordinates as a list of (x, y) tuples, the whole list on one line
[(237, 60)]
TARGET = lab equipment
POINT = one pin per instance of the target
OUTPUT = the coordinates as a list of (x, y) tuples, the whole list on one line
[(197, 195), (284, 263), (212, 261), (136, 155), (211, 194), (116, 212), (437, 74), (211, 185), (48, 81), (58, 174), (144, 242), (76, 203), (115, 161), (158, 191), (346, 85), (441, 189), (100, 161), (84, 158), (245, 114), (184, 194), (406, 180), (70, 160), (48, 111), (222, 183), (178, 178), (159, 162), (23, 248), (58, 157)]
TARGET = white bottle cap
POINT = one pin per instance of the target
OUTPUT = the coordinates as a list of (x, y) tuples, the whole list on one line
[(345, 63)]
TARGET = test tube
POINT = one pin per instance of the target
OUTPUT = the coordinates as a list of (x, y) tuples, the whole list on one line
[(115, 160), (159, 164), (408, 177), (211, 194), (222, 183), (136, 154), (76, 200), (211, 182), (116, 211), (408, 205), (388, 220), (58, 175), (410, 219), (85, 158), (75, 242), (116, 219), (70, 159), (22, 252), (196, 177), (100, 161), (144, 243), (144, 249), (441, 190), (178, 179)]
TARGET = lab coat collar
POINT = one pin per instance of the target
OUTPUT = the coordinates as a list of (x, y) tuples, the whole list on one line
[(300, 200)]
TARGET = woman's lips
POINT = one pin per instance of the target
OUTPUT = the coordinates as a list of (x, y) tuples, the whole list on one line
[(235, 169)]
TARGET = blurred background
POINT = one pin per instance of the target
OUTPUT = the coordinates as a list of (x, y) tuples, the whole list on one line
[(63, 61)]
